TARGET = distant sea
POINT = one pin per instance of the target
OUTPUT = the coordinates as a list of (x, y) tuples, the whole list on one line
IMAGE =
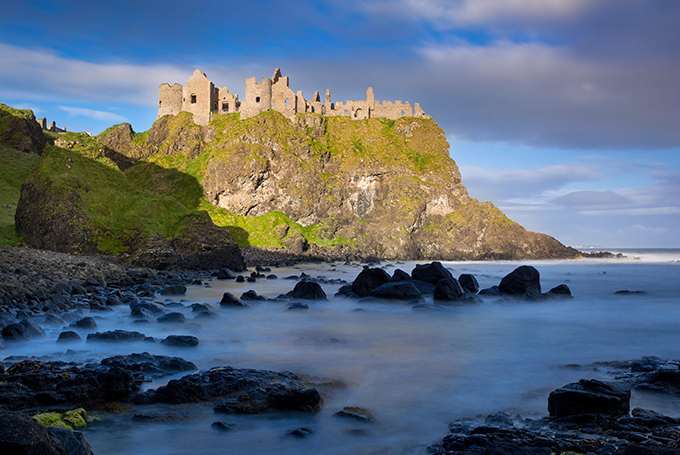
[(643, 254)]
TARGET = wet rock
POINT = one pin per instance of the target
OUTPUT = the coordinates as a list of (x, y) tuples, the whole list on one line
[(301, 432), (86, 323), (113, 300), (152, 366), (116, 336), (251, 296), (298, 306), (272, 277), (492, 291), (399, 290), (176, 289), (21, 434), (199, 307), (589, 396), (400, 275), (369, 279), (448, 290), (468, 283), (524, 280), (21, 331), (207, 315), (356, 413), (68, 336), (223, 426), (240, 279), (154, 308), (229, 300), (225, 274), (308, 290), (239, 390), (69, 442), (424, 287), (180, 341), (431, 273), (172, 318), (561, 291)]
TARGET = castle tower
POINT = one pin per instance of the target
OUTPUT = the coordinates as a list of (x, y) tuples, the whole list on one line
[(258, 97), (169, 99)]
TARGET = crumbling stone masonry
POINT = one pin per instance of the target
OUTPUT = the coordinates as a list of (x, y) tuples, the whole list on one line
[(200, 97)]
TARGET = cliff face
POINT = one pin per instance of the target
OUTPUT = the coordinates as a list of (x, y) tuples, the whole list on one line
[(386, 187)]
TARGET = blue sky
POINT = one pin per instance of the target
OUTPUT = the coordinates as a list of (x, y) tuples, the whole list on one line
[(563, 113)]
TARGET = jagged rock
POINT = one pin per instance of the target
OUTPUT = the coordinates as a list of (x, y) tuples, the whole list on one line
[(369, 279), (176, 289), (524, 280), (22, 330), (153, 308), (69, 442), (86, 323), (468, 283), (448, 289), (308, 290), (239, 390), (589, 396), (230, 300), (113, 300), (251, 296), (172, 318), (20, 130), (68, 336), (400, 275), (181, 341), (399, 290), (116, 336), (152, 366), (356, 413), (224, 274), (430, 273)]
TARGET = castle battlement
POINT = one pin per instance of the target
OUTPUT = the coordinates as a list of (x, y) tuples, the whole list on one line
[(200, 97)]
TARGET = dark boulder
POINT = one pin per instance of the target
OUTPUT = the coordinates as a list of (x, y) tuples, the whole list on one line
[(23, 330), (230, 300), (172, 318), (298, 306), (301, 432), (224, 274), (223, 426), (207, 315), (368, 280), (69, 442), (308, 290), (180, 341), (23, 435), (116, 336), (176, 289), (86, 323), (251, 296), (468, 283), (239, 390), (524, 280), (562, 291), (448, 289), (589, 396), (199, 307), (154, 308), (492, 291), (355, 413), (431, 273), (398, 290), (152, 366), (68, 336), (113, 300), (400, 275), (424, 287)]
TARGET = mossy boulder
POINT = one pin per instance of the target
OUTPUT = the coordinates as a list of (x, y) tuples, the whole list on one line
[(20, 130)]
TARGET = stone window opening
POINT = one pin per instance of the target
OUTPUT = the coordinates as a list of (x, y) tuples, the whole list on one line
[(215, 106), (402, 113), (257, 99), (159, 103), (193, 99), (225, 107), (287, 102), (346, 112)]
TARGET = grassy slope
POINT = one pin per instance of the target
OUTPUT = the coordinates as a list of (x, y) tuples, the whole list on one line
[(15, 167)]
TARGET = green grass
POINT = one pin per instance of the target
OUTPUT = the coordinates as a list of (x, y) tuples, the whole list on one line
[(15, 167)]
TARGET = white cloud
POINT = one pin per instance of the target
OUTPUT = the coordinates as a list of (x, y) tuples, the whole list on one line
[(590, 198), (94, 114), (42, 75)]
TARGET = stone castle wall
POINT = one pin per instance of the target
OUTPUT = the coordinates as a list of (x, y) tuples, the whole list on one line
[(200, 97)]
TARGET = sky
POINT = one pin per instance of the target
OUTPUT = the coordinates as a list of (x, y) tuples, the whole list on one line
[(564, 113)]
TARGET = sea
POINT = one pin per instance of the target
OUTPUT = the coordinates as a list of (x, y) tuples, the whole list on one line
[(415, 371)]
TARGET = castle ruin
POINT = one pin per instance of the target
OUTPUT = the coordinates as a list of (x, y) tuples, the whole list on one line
[(200, 97)]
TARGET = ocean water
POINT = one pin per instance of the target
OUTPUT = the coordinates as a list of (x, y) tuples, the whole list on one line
[(415, 371)]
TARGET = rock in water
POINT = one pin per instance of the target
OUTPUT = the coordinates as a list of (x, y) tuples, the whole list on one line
[(398, 290), (21, 434), (308, 290), (368, 280), (589, 396), (230, 300), (468, 283), (430, 273), (448, 289), (524, 280)]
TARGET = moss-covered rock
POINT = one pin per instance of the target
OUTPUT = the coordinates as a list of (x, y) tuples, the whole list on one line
[(20, 130), (74, 419)]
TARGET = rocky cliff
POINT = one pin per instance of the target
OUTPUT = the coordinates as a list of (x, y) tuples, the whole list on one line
[(387, 188)]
